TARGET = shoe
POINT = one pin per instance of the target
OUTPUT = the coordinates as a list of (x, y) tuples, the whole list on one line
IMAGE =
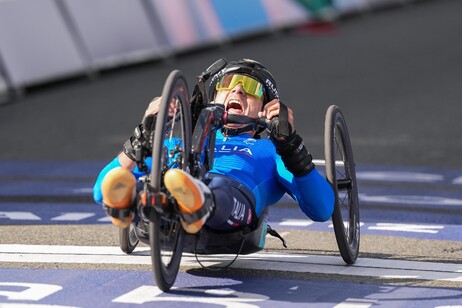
[(118, 189), (194, 199)]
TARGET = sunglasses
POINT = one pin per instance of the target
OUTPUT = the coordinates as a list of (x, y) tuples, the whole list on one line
[(250, 85)]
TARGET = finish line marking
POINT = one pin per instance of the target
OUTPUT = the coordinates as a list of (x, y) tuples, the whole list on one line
[(264, 261)]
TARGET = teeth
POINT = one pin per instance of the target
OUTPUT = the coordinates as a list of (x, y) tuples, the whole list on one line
[(234, 101)]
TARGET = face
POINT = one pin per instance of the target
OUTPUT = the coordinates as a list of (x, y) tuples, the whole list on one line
[(236, 101)]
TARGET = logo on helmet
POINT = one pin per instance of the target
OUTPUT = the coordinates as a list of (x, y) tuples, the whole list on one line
[(217, 76), (272, 87)]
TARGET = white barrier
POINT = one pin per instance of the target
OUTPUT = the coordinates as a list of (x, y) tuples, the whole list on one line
[(4, 88), (187, 23), (113, 32), (44, 40), (36, 45), (3, 91)]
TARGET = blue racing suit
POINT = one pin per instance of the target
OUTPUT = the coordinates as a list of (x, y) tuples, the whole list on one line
[(264, 180)]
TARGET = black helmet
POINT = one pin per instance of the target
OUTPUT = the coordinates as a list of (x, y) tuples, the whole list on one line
[(250, 68)]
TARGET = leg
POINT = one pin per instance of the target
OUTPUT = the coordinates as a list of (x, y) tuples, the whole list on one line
[(223, 205), (234, 204), (118, 190)]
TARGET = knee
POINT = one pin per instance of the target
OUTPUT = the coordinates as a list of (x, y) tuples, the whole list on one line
[(217, 183)]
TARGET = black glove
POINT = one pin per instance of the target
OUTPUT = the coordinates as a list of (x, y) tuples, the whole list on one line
[(142, 138), (294, 154)]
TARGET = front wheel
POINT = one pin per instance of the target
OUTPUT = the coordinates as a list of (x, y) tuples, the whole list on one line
[(341, 174), (170, 149)]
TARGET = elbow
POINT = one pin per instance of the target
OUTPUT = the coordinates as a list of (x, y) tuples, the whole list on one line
[(323, 212), (321, 208), (328, 204)]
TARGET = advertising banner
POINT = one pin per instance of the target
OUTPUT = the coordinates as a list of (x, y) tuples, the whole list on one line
[(36, 45)]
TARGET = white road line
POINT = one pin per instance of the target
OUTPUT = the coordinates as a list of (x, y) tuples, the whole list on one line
[(432, 229), (73, 216), (296, 222), (105, 219), (409, 199), (265, 261), (399, 176), (15, 215), (356, 303)]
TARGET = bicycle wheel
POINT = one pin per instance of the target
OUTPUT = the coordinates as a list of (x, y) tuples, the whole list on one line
[(340, 172), (128, 239), (170, 149)]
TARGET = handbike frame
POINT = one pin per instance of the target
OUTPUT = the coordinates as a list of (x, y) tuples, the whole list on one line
[(157, 219)]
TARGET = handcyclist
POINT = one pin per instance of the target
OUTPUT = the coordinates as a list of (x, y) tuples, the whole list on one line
[(249, 173)]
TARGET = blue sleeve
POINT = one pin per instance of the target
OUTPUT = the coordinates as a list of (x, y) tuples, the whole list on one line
[(97, 195), (312, 192)]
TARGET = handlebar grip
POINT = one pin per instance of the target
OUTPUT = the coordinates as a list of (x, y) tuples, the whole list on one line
[(149, 123), (284, 126), (273, 126)]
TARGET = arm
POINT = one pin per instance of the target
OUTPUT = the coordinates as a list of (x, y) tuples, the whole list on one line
[(312, 192), (126, 158), (297, 172)]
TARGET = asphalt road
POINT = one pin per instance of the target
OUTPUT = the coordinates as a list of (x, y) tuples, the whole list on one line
[(396, 75)]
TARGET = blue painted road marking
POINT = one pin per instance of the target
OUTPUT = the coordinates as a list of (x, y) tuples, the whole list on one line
[(397, 201), (48, 213), (88, 288)]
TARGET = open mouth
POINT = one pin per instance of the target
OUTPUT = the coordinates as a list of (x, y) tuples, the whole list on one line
[(234, 106)]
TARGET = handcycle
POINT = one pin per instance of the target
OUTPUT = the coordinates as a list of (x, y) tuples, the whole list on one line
[(173, 143)]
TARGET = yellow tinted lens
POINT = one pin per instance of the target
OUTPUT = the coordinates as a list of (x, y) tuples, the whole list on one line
[(251, 86)]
